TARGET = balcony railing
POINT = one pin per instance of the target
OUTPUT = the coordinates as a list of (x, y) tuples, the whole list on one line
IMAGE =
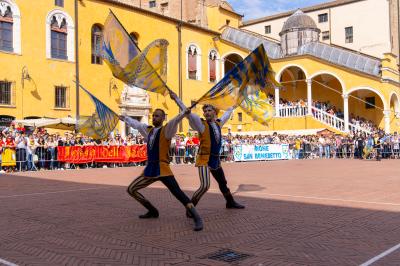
[(320, 115), (292, 111)]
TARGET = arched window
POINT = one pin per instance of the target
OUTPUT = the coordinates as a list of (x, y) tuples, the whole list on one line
[(97, 42), (212, 66), (6, 30), (60, 33), (193, 62), (10, 27)]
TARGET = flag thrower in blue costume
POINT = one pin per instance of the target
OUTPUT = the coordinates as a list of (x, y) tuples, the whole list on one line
[(158, 138), (245, 86), (145, 69)]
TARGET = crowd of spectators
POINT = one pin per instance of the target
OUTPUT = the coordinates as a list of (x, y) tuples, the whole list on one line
[(326, 107), (37, 149), (327, 146)]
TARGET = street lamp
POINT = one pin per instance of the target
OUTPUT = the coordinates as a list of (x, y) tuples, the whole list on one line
[(25, 75)]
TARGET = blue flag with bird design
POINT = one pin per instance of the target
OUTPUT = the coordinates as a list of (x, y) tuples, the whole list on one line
[(101, 122), (246, 86)]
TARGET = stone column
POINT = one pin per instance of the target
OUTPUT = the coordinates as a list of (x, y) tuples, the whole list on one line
[(122, 130), (277, 111), (346, 111), (222, 66), (386, 115), (309, 96)]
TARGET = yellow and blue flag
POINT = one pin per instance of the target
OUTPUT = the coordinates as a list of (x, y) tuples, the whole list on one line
[(246, 86), (101, 122), (256, 104), (146, 70)]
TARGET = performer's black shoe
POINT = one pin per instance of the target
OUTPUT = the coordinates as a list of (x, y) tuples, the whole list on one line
[(149, 215), (198, 222), (152, 211), (234, 205), (231, 203)]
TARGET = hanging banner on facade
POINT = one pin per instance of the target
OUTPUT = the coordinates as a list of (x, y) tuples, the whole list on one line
[(104, 154), (266, 152)]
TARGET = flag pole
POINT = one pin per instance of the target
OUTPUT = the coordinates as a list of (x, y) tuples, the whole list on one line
[(79, 85), (180, 92), (76, 63)]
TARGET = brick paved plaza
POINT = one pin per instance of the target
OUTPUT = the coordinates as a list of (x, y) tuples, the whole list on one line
[(319, 212)]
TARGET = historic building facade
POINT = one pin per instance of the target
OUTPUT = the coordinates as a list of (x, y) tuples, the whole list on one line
[(40, 57), (366, 26)]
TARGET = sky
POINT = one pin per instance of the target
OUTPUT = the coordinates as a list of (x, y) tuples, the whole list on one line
[(260, 8)]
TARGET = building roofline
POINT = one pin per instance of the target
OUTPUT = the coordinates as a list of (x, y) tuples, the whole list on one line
[(235, 45), (261, 36), (232, 12), (324, 61), (305, 10), (354, 51), (147, 12)]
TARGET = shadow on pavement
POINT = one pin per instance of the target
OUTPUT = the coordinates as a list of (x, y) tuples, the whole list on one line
[(50, 222)]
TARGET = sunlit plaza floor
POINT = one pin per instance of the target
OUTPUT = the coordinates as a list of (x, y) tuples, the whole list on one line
[(301, 212)]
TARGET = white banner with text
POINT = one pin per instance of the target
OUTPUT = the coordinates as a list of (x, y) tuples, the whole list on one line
[(265, 152)]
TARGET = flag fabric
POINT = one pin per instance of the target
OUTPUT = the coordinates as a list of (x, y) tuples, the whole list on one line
[(246, 86), (101, 122), (256, 105), (145, 69)]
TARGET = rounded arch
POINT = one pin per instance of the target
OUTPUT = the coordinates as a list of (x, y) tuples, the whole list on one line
[(97, 26), (229, 60), (381, 96), (60, 15), (215, 51), (55, 12), (96, 42), (14, 7), (342, 84), (193, 65), (195, 45), (294, 87), (213, 65), (396, 105), (233, 52), (280, 72), (16, 23)]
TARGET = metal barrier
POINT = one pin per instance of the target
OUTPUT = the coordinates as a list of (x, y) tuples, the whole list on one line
[(11, 159), (346, 151), (181, 154)]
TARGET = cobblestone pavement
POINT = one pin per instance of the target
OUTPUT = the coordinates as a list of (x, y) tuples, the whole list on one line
[(320, 212)]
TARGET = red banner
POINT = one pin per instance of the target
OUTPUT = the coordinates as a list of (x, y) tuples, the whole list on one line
[(104, 154)]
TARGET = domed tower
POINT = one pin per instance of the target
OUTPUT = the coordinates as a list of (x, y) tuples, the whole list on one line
[(297, 30)]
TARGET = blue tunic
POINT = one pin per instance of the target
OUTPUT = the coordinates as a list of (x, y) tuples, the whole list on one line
[(214, 161)]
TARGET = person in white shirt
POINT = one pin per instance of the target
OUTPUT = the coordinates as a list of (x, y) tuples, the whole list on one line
[(21, 144)]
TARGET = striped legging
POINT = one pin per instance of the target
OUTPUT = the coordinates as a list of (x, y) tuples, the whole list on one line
[(168, 181), (204, 175)]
